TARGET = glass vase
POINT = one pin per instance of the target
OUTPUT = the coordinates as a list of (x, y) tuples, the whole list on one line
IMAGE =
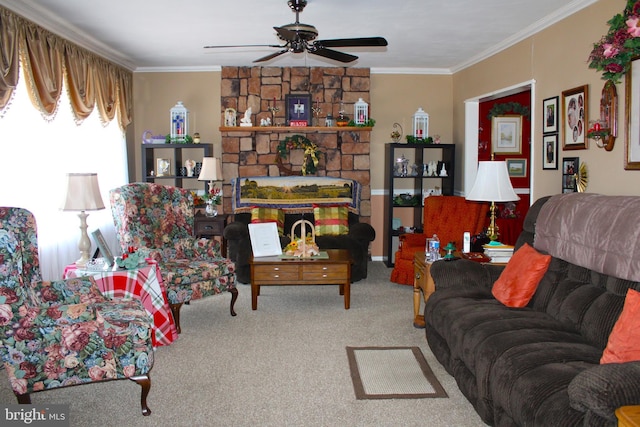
[(211, 209)]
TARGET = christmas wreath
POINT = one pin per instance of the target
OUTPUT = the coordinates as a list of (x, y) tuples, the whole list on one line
[(311, 153)]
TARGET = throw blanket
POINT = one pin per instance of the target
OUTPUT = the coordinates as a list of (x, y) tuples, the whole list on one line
[(294, 194), (601, 233)]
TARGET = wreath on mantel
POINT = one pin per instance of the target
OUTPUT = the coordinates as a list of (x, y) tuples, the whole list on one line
[(509, 107), (311, 154)]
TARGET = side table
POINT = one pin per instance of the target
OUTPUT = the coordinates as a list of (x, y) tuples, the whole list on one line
[(211, 226), (422, 282)]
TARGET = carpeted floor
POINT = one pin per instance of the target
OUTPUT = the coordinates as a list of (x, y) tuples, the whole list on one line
[(282, 365)]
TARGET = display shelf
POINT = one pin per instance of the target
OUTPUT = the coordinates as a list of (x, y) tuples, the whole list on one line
[(415, 185)]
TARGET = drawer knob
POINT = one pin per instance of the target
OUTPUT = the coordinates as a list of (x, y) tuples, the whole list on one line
[(324, 275), (417, 275), (324, 268), (276, 268), (276, 276)]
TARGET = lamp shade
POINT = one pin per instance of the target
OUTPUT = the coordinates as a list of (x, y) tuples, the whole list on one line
[(83, 193), (211, 169), (492, 184)]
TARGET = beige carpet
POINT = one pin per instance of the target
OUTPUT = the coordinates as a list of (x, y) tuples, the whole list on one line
[(283, 365), (392, 373)]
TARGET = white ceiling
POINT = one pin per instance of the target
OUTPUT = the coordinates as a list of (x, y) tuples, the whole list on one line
[(438, 36)]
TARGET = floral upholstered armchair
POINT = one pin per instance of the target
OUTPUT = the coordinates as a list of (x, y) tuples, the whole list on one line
[(159, 218), (63, 333)]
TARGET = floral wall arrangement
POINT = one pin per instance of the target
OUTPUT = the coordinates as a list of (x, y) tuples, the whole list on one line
[(613, 53)]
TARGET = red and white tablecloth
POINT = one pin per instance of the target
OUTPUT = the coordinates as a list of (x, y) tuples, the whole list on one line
[(145, 284)]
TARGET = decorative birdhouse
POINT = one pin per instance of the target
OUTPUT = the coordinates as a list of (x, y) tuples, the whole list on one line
[(360, 112), (179, 122), (420, 124)]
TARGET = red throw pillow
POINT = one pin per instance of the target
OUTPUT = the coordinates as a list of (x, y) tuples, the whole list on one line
[(624, 340), (519, 279)]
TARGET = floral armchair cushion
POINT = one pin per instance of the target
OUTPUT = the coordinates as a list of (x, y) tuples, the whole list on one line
[(151, 215), (61, 333)]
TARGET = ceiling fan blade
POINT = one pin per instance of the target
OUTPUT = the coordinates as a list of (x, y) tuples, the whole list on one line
[(242, 45), (333, 54), (271, 56), (286, 34), (356, 42)]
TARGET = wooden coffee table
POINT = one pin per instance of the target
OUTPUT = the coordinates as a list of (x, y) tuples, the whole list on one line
[(276, 271)]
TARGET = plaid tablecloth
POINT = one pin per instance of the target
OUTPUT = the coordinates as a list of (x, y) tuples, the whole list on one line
[(145, 284)]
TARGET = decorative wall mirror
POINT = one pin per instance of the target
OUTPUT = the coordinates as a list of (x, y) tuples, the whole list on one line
[(609, 115)]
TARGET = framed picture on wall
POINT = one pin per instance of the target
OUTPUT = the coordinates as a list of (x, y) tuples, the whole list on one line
[(506, 134), (632, 144), (550, 114), (550, 152), (575, 118), (298, 109), (569, 174), (517, 168), (163, 167)]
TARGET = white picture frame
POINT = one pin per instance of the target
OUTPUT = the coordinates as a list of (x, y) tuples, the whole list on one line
[(506, 134), (265, 240)]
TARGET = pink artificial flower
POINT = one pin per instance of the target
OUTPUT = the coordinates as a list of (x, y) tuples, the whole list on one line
[(610, 50), (614, 68), (632, 26)]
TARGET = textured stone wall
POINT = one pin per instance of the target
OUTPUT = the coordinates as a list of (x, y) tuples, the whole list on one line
[(253, 153)]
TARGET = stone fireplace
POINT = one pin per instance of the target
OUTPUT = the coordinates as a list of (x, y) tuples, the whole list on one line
[(252, 151)]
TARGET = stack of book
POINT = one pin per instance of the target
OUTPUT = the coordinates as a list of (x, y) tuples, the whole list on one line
[(498, 253)]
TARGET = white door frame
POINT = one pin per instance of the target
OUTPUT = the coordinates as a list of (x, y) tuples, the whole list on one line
[(472, 123)]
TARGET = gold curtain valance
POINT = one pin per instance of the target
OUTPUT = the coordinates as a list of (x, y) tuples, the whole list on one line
[(47, 59)]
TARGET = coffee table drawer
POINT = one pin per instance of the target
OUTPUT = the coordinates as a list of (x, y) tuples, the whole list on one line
[(320, 272), (267, 273)]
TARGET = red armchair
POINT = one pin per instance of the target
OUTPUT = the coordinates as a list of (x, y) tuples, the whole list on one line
[(448, 217)]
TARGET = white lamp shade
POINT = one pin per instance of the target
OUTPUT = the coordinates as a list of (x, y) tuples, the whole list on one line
[(492, 184), (211, 169), (83, 193)]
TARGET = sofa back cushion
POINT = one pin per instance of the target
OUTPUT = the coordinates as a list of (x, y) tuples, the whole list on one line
[(594, 231)]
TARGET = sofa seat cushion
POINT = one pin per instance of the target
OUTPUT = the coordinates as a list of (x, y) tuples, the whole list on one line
[(194, 279)]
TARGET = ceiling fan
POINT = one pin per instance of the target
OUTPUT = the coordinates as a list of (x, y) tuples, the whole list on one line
[(299, 37)]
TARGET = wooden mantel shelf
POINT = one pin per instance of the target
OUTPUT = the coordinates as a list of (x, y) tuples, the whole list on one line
[(301, 129)]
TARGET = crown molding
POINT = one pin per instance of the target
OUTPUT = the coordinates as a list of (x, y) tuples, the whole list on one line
[(399, 70), (193, 69), (566, 11), (35, 13)]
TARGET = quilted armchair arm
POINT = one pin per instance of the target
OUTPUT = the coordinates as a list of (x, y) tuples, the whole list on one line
[(604, 388), (65, 292)]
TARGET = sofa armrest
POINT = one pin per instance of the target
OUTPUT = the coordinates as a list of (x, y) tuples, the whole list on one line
[(362, 231), (236, 231), (604, 388), (462, 272)]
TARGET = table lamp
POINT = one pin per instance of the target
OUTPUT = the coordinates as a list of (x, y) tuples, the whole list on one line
[(83, 194), (211, 171), (492, 185)]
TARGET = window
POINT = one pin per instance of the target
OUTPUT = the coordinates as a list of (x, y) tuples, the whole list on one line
[(38, 152)]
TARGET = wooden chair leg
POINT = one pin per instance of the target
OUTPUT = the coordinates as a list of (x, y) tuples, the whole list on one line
[(145, 382), (24, 399), (234, 297), (175, 310)]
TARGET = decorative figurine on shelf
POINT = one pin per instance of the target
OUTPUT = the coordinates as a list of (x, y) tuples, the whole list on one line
[(265, 122), (246, 120), (230, 117), (443, 171), (433, 168), (190, 165), (196, 138)]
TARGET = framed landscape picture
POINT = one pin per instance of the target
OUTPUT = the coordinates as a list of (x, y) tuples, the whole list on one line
[(550, 114), (550, 152), (575, 118), (506, 134), (517, 168)]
